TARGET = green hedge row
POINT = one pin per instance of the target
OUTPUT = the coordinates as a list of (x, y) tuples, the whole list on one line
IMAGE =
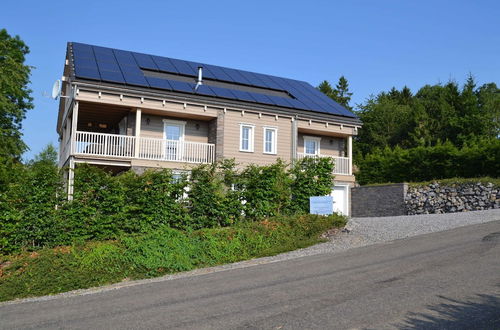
[(34, 212), (161, 251), (444, 160)]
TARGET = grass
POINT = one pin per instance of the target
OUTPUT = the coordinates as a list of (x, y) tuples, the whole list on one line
[(164, 251)]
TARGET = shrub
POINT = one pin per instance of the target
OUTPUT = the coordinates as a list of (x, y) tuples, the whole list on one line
[(266, 190), (213, 201), (444, 160), (311, 177)]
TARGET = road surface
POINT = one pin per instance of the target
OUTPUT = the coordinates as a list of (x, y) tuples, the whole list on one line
[(449, 279)]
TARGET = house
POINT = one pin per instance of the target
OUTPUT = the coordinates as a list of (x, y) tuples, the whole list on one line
[(126, 110)]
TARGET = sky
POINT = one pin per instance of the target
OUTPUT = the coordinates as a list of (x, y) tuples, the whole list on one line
[(375, 44)]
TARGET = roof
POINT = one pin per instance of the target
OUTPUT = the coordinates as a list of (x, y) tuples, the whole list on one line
[(168, 74)]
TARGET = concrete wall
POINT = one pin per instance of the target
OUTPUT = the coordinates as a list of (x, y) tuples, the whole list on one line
[(378, 201)]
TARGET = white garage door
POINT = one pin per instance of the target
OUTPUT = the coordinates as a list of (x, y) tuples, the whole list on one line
[(340, 202)]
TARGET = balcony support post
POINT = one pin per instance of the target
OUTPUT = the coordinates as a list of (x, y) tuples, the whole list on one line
[(294, 139), (74, 125), (137, 131), (349, 153)]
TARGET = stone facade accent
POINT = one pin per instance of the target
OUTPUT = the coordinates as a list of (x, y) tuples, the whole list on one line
[(378, 201), (436, 198)]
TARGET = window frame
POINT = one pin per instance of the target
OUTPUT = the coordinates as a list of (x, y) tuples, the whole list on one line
[(251, 137), (274, 142), (318, 145)]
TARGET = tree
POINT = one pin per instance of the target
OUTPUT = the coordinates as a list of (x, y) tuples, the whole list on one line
[(339, 94), (343, 94), (15, 100)]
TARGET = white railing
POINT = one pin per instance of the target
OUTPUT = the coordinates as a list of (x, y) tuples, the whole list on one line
[(123, 146), (102, 144), (342, 164), (176, 151)]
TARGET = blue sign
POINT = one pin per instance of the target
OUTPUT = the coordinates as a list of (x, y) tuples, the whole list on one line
[(322, 205)]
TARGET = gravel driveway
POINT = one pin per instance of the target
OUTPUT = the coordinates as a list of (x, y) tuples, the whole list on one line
[(366, 231)]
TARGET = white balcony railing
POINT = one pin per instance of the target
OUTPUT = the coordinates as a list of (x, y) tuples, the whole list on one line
[(342, 164), (123, 146)]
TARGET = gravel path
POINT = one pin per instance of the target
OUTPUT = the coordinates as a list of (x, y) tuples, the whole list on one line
[(366, 231)]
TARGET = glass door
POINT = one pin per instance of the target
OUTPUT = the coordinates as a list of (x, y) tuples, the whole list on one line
[(173, 137)]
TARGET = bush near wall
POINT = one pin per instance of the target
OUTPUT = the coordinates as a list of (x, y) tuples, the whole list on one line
[(34, 214), (481, 158)]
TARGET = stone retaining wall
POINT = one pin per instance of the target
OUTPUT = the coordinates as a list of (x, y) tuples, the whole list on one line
[(437, 198)]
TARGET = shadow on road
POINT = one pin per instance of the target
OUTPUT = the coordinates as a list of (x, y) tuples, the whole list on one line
[(478, 312)]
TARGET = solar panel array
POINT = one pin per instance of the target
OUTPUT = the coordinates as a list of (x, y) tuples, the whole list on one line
[(125, 67)]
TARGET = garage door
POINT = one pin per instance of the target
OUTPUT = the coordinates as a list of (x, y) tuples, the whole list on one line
[(340, 199)]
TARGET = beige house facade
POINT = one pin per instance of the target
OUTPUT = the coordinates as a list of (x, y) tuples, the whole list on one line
[(124, 125)]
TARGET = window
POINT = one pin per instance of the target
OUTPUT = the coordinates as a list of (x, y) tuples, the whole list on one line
[(270, 140), (246, 137), (311, 145)]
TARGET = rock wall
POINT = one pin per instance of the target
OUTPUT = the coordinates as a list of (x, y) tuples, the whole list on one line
[(437, 198)]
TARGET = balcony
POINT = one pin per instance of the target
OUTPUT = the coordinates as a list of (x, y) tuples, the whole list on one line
[(342, 164), (123, 146)]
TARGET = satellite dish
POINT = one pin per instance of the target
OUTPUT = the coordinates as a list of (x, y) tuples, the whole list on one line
[(56, 89)]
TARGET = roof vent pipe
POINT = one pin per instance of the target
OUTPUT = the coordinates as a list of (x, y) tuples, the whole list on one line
[(200, 78)]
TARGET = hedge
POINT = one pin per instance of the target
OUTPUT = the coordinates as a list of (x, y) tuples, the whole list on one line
[(441, 161), (34, 212)]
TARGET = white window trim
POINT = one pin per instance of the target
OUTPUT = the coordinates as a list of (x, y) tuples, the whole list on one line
[(250, 138), (180, 123), (317, 139), (274, 147)]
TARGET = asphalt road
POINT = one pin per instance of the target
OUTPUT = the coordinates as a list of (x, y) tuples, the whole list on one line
[(442, 280)]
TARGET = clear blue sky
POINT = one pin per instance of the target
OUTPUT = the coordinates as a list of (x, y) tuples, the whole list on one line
[(375, 44)]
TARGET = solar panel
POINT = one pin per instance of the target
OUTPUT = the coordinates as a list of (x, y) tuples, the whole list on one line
[(85, 62), (164, 64), (100, 57), (109, 66), (243, 96), (82, 51), (134, 79), (124, 58), (181, 86), (281, 101), (205, 90), (219, 73), (183, 68), (124, 67), (87, 73), (236, 76), (145, 61), (252, 78), (261, 98), (112, 76), (223, 92), (158, 83)]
